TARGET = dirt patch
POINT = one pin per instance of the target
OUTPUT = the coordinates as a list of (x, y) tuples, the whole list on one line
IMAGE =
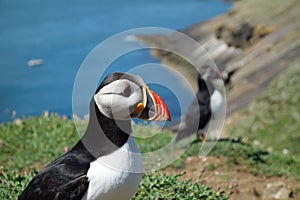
[(235, 178)]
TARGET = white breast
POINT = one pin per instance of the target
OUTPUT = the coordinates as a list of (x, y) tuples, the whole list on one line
[(216, 102), (117, 175)]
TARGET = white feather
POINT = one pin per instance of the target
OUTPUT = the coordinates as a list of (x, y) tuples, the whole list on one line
[(114, 103), (117, 175), (216, 102)]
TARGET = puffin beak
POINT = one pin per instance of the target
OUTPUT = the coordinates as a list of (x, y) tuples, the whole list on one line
[(219, 75), (155, 109)]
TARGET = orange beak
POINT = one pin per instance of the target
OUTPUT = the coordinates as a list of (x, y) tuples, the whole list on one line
[(162, 112), (154, 108)]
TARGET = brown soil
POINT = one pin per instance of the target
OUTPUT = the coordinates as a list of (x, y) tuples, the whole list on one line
[(236, 179)]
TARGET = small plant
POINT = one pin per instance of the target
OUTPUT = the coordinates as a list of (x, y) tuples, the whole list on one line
[(12, 183), (160, 186), (153, 186), (35, 141), (297, 190), (258, 160)]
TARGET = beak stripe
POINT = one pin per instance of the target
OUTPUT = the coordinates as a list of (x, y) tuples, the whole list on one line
[(162, 112), (144, 91)]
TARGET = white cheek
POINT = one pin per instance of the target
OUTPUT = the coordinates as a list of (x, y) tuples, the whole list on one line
[(135, 98), (113, 106)]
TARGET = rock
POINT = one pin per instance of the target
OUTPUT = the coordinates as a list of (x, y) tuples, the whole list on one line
[(238, 37), (242, 35), (276, 191), (256, 192)]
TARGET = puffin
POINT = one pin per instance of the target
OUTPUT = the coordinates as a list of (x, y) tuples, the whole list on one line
[(106, 163), (205, 106)]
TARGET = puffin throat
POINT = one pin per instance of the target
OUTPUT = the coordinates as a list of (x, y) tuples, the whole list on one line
[(104, 135)]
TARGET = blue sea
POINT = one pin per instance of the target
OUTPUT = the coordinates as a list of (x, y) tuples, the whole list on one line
[(63, 33)]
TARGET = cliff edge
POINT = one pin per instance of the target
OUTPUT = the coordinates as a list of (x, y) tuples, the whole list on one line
[(254, 42)]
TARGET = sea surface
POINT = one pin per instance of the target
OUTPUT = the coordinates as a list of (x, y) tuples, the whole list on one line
[(62, 34)]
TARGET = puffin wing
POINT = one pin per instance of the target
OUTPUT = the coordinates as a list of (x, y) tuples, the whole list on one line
[(187, 120), (64, 178), (196, 117)]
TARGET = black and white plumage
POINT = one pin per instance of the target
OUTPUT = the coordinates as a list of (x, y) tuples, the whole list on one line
[(105, 163), (204, 107)]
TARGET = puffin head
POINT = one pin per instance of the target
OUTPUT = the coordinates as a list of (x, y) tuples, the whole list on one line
[(122, 96), (207, 72)]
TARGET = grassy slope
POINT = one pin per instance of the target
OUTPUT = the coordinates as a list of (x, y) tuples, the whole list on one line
[(35, 141), (276, 12), (274, 119)]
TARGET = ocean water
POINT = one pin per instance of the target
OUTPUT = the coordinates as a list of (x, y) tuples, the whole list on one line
[(62, 33)]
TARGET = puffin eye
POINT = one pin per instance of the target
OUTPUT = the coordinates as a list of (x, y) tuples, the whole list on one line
[(127, 91)]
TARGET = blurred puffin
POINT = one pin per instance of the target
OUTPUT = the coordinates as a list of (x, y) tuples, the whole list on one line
[(203, 108), (105, 163)]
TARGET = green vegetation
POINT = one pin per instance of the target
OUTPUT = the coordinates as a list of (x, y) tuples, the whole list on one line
[(255, 159), (266, 12), (27, 145), (161, 186), (153, 186), (35, 141), (273, 121), (267, 132), (12, 183), (148, 141), (258, 160)]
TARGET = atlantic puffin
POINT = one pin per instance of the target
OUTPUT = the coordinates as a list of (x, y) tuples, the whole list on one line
[(105, 164), (204, 107)]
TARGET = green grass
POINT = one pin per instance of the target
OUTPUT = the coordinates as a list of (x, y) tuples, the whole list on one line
[(153, 186), (35, 141), (257, 160), (148, 140), (276, 12), (273, 121), (12, 183), (29, 144), (161, 186)]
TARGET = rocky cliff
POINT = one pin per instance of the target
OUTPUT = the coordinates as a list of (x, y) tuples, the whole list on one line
[(254, 41)]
